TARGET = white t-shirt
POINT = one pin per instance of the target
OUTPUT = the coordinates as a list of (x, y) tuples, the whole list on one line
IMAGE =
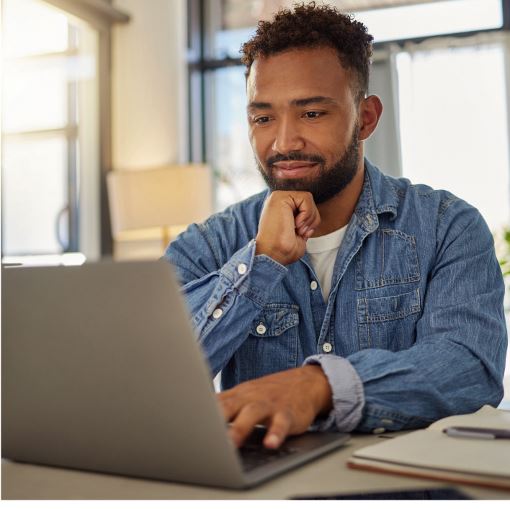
[(322, 252)]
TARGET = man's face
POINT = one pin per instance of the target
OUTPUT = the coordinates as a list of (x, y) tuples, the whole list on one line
[(303, 122)]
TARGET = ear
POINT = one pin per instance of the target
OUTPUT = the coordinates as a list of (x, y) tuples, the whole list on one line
[(370, 111)]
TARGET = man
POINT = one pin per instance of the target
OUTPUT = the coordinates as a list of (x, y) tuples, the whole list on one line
[(340, 298)]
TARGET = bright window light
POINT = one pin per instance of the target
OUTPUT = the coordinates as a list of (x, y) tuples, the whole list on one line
[(32, 27), (453, 125), (66, 259), (448, 17)]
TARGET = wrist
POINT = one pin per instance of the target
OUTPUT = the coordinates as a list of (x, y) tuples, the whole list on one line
[(262, 249), (323, 396)]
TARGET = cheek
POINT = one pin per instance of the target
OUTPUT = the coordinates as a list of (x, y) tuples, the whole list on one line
[(260, 143), (328, 144)]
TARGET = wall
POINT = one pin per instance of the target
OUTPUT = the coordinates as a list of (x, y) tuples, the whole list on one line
[(149, 113)]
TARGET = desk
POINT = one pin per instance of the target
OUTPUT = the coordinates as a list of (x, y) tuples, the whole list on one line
[(326, 475)]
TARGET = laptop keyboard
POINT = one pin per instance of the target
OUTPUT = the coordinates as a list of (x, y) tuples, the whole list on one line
[(254, 454)]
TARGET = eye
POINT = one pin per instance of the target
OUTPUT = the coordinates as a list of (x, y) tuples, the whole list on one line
[(261, 120), (312, 115)]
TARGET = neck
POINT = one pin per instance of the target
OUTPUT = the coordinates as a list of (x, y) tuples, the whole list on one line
[(337, 211)]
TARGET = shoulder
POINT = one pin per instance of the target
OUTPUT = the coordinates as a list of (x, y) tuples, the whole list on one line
[(406, 197), (434, 212)]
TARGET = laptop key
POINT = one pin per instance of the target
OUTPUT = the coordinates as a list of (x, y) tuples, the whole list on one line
[(254, 454)]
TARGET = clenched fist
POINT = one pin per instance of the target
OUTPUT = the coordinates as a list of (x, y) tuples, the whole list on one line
[(288, 220)]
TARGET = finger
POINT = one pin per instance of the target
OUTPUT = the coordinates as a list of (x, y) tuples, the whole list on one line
[(305, 208), (245, 421), (302, 230), (306, 230), (310, 220), (316, 219), (303, 218), (278, 430), (229, 404)]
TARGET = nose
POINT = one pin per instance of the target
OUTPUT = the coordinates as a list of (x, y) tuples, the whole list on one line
[(288, 138)]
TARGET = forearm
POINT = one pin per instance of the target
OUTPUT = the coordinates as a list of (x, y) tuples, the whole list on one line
[(223, 303), (380, 390), (415, 387), (346, 391)]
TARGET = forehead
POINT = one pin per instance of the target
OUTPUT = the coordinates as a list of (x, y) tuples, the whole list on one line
[(298, 73)]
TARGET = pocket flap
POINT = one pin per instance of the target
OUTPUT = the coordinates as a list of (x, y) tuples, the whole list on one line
[(382, 309), (275, 319)]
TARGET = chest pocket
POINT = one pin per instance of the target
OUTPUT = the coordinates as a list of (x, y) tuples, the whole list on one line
[(272, 344), (388, 257), (388, 301), (388, 322)]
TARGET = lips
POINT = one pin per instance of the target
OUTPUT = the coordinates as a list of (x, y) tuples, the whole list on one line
[(293, 169)]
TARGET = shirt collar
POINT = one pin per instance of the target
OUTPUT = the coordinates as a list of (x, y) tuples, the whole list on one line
[(378, 196)]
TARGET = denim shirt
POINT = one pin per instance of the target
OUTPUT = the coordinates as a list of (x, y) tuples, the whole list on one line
[(413, 329)]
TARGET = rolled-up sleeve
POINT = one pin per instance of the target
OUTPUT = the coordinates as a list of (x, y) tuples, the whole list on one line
[(347, 393)]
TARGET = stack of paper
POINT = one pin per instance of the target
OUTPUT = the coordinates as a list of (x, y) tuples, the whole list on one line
[(433, 454)]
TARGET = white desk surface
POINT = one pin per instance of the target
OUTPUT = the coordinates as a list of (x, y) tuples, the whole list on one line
[(326, 475)]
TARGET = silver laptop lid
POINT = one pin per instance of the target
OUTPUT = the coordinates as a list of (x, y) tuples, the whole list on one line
[(101, 371)]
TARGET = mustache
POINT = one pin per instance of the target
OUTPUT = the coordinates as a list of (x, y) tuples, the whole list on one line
[(295, 156)]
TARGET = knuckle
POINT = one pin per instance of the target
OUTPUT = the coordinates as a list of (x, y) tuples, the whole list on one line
[(285, 416), (226, 404), (256, 407)]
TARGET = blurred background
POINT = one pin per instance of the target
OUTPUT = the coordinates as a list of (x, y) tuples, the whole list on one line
[(95, 86), (124, 120)]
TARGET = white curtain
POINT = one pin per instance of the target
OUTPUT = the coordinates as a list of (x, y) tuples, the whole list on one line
[(446, 118), (453, 114)]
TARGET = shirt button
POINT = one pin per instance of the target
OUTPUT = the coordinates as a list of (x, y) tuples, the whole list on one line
[(242, 268), (378, 431), (217, 313), (326, 347), (261, 329), (314, 285)]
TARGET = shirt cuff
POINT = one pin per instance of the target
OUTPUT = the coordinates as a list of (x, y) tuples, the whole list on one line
[(255, 276), (347, 390)]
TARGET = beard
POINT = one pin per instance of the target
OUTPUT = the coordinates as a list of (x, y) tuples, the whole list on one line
[(328, 183)]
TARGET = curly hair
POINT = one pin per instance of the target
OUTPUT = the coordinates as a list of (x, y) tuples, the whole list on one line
[(314, 26)]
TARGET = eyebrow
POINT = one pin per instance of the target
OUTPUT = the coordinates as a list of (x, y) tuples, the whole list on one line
[(319, 99)]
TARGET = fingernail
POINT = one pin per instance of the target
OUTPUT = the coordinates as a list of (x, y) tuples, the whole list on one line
[(272, 441), (309, 233)]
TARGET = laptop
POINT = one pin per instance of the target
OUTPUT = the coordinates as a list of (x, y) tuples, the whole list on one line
[(101, 371)]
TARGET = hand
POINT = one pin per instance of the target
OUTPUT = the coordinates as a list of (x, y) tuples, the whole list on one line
[(286, 403), (288, 220)]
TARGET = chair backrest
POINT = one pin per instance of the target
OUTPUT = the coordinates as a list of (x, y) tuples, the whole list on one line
[(155, 204)]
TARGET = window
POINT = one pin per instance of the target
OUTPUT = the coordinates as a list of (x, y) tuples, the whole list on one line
[(454, 125), (432, 18), (49, 131)]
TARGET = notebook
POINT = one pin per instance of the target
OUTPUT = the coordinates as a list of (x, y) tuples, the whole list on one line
[(433, 454), (101, 371)]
